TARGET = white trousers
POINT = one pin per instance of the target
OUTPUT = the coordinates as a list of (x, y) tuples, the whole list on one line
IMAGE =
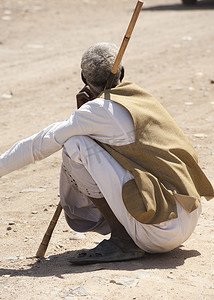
[(88, 170)]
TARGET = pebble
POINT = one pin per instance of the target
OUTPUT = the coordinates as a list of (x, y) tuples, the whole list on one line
[(100, 278), (7, 12), (78, 236), (143, 275), (34, 190), (171, 277), (6, 96), (206, 94), (199, 74), (35, 46), (200, 135), (188, 103), (79, 291), (186, 38), (125, 281), (191, 88), (11, 223), (34, 212), (6, 18), (176, 46), (9, 228), (11, 258)]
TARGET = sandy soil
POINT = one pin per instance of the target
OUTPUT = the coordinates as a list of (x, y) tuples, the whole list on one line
[(170, 55)]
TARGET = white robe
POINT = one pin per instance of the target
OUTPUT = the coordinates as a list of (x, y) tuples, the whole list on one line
[(87, 169)]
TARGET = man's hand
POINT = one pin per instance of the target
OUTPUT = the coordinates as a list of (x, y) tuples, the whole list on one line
[(85, 95)]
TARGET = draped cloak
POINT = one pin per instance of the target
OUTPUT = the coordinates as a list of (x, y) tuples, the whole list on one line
[(162, 160)]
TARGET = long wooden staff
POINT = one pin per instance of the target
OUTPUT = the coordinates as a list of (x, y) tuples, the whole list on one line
[(47, 236), (124, 44), (45, 241)]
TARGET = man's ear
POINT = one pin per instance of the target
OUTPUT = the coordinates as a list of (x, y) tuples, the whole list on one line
[(83, 78), (122, 74)]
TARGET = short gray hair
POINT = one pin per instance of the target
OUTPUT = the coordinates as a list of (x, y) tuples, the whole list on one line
[(97, 63)]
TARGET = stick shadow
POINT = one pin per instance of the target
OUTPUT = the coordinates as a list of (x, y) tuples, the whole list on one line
[(58, 265)]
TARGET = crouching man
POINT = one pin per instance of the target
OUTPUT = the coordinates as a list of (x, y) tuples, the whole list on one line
[(127, 168)]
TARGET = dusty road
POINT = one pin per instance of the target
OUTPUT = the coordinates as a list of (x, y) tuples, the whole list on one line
[(171, 56)]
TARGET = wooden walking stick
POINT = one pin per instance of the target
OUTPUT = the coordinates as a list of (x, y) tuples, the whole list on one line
[(124, 44), (45, 241)]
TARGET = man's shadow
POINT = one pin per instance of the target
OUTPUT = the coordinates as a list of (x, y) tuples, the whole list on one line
[(58, 265), (200, 5)]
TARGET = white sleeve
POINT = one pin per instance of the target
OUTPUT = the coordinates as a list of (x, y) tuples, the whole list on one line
[(45, 142), (98, 119), (35, 147), (102, 120)]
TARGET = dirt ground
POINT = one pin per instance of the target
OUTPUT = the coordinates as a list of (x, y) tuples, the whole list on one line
[(170, 55)]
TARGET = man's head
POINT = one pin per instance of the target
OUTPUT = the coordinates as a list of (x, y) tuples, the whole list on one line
[(97, 63)]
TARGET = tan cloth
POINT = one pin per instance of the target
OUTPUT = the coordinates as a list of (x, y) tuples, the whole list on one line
[(162, 160)]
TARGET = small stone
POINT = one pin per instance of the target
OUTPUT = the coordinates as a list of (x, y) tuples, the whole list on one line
[(11, 258), (206, 94), (99, 278), (80, 291), (200, 74), (9, 228), (200, 135), (143, 275), (188, 103), (176, 46), (78, 236), (6, 96), (186, 38), (125, 281), (34, 190), (171, 276), (35, 46), (34, 212), (191, 88), (11, 223), (7, 12), (6, 18)]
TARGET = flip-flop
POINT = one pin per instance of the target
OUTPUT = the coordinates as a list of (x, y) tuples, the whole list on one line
[(105, 252)]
